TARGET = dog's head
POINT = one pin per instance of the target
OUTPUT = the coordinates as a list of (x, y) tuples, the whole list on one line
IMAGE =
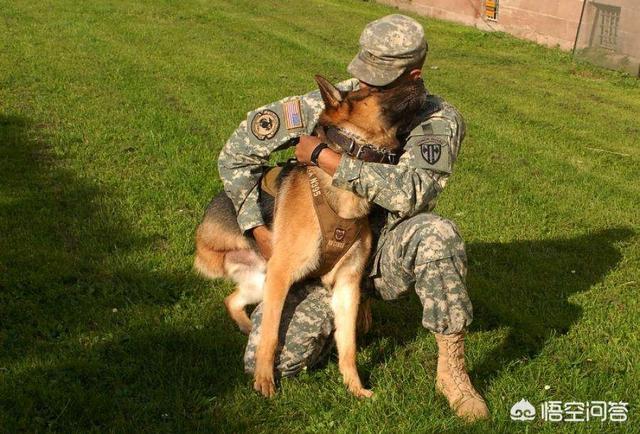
[(371, 115)]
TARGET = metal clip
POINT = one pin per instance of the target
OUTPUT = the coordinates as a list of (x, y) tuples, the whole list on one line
[(384, 154), (351, 146), (362, 149)]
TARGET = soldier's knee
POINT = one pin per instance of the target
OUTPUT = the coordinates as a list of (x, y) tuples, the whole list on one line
[(417, 241), (305, 331), (433, 237)]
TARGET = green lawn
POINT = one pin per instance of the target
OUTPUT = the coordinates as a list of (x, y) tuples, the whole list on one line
[(111, 117)]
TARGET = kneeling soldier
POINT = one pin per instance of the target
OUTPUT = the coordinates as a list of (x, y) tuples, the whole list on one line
[(415, 250)]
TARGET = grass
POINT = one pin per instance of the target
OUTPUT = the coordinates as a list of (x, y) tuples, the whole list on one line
[(112, 114)]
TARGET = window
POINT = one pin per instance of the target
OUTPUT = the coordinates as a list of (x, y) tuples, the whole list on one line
[(491, 9), (607, 19)]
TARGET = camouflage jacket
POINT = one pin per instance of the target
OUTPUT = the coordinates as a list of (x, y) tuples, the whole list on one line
[(410, 187)]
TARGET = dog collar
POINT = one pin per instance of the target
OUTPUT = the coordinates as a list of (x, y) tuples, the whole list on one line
[(361, 151)]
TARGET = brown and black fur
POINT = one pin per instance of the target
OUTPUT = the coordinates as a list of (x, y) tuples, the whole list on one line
[(374, 115)]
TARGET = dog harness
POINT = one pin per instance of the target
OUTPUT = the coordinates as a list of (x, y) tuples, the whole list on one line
[(338, 234)]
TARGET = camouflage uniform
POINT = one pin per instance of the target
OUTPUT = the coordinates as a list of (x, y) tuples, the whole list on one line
[(415, 249)]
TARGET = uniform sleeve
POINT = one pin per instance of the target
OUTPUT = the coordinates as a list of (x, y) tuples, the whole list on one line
[(267, 129), (421, 174)]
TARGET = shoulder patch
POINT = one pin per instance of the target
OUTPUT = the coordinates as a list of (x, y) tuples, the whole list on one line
[(265, 124), (292, 114), (431, 152)]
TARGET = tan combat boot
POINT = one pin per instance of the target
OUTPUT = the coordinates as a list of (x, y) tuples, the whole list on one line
[(453, 381)]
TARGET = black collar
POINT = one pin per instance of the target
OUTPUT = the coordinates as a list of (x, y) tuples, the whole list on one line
[(357, 149)]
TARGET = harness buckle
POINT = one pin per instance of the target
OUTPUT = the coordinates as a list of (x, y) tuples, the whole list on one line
[(352, 144), (362, 149), (391, 157)]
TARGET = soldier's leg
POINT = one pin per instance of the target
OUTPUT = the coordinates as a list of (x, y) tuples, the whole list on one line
[(306, 330), (426, 253)]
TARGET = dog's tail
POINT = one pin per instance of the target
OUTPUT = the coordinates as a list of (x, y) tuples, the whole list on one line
[(217, 235)]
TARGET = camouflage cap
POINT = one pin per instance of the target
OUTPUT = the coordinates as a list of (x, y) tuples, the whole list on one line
[(387, 47)]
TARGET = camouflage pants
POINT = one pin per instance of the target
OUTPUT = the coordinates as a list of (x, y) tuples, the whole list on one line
[(424, 254)]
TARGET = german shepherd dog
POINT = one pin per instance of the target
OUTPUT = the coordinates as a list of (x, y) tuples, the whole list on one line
[(371, 116)]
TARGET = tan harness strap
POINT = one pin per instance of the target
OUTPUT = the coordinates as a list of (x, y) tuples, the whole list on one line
[(269, 181), (338, 234)]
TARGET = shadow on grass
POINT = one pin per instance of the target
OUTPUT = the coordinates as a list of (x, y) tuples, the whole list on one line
[(67, 259), (525, 286), (61, 260), (521, 285)]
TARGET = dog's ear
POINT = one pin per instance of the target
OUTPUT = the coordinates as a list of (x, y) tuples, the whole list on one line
[(331, 95)]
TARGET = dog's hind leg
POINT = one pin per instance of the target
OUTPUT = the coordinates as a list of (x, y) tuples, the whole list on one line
[(247, 269)]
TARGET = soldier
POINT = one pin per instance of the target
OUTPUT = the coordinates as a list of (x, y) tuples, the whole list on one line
[(415, 249)]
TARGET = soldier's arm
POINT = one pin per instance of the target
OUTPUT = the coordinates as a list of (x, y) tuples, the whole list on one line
[(420, 175), (267, 129)]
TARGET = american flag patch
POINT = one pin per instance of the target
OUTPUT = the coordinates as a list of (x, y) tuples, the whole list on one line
[(292, 114)]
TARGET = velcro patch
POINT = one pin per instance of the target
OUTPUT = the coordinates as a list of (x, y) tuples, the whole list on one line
[(292, 114), (265, 124), (431, 152)]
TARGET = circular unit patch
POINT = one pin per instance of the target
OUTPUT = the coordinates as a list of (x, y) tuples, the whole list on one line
[(265, 124)]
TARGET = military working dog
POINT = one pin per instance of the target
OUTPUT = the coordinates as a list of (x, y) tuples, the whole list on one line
[(363, 123)]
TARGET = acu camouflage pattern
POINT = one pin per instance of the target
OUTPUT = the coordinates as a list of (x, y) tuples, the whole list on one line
[(387, 47), (415, 249), (405, 189), (425, 253), (306, 330), (410, 187)]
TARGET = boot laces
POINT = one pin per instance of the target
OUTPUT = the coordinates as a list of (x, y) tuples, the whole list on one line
[(456, 365)]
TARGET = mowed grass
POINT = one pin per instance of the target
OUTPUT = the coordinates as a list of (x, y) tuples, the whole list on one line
[(112, 114)]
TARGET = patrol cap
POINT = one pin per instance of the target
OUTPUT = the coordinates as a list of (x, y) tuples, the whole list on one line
[(387, 46)]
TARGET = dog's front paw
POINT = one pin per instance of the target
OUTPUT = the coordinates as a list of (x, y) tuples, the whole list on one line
[(361, 392), (265, 386), (355, 387), (264, 383)]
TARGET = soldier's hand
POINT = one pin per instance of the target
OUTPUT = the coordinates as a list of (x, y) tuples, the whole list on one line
[(305, 147), (328, 159), (262, 235)]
